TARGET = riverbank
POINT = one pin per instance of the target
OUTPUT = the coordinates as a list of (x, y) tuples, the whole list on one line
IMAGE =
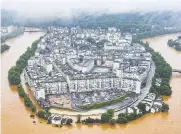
[(13, 34)]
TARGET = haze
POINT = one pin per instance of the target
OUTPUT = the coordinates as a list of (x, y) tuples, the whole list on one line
[(36, 8)]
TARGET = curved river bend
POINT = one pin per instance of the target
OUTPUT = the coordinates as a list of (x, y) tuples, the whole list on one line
[(15, 117)]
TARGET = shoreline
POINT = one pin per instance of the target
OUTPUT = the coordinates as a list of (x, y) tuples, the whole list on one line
[(13, 34)]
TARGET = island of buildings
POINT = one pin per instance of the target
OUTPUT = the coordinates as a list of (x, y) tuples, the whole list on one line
[(175, 43), (78, 67)]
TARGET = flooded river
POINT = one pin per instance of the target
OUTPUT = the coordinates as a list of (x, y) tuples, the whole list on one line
[(16, 119)]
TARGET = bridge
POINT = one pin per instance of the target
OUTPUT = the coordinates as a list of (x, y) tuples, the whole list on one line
[(176, 70), (32, 29)]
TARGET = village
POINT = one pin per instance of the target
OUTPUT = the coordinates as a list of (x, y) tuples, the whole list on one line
[(75, 68)]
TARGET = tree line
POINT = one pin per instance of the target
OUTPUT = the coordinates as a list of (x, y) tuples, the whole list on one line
[(4, 47), (122, 118), (15, 72), (175, 43), (163, 71)]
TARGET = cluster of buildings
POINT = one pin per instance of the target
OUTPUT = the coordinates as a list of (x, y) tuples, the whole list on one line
[(153, 103), (7, 30), (10, 32), (59, 120), (87, 98), (75, 60)]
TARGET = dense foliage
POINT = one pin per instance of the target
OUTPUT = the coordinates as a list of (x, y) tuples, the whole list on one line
[(124, 117), (175, 44), (4, 48), (163, 71), (142, 24), (106, 117), (165, 107), (142, 107), (43, 114), (90, 120), (14, 72), (27, 101)]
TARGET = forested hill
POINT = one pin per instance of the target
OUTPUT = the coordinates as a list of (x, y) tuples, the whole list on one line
[(143, 24)]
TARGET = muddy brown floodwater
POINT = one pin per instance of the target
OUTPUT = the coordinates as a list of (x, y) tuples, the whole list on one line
[(15, 118)]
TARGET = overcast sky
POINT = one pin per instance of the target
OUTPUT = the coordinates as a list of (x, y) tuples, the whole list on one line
[(65, 7)]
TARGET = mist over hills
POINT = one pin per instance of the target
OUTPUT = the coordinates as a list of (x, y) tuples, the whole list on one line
[(135, 22)]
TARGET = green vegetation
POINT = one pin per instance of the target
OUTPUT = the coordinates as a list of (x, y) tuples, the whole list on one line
[(43, 114), (4, 48), (69, 121), (105, 117), (112, 121), (124, 117), (163, 71), (15, 71), (27, 101), (175, 43), (142, 107), (21, 91), (110, 112), (103, 104), (14, 76), (108, 116), (165, 107), (90, 120)]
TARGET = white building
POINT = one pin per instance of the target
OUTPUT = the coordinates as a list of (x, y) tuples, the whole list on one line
[(39, 93)]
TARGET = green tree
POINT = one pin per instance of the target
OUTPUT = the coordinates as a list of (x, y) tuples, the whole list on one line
[(122, 119), (27, 101), (33, 108), (41, 114), (105, 117), (112, 121), (165, 107), (110, 112), (142, 107), (69, 121), (14, 76), (131, 116), (21, 91)]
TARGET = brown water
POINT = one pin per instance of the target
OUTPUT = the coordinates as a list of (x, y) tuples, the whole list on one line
[(15, 117)]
